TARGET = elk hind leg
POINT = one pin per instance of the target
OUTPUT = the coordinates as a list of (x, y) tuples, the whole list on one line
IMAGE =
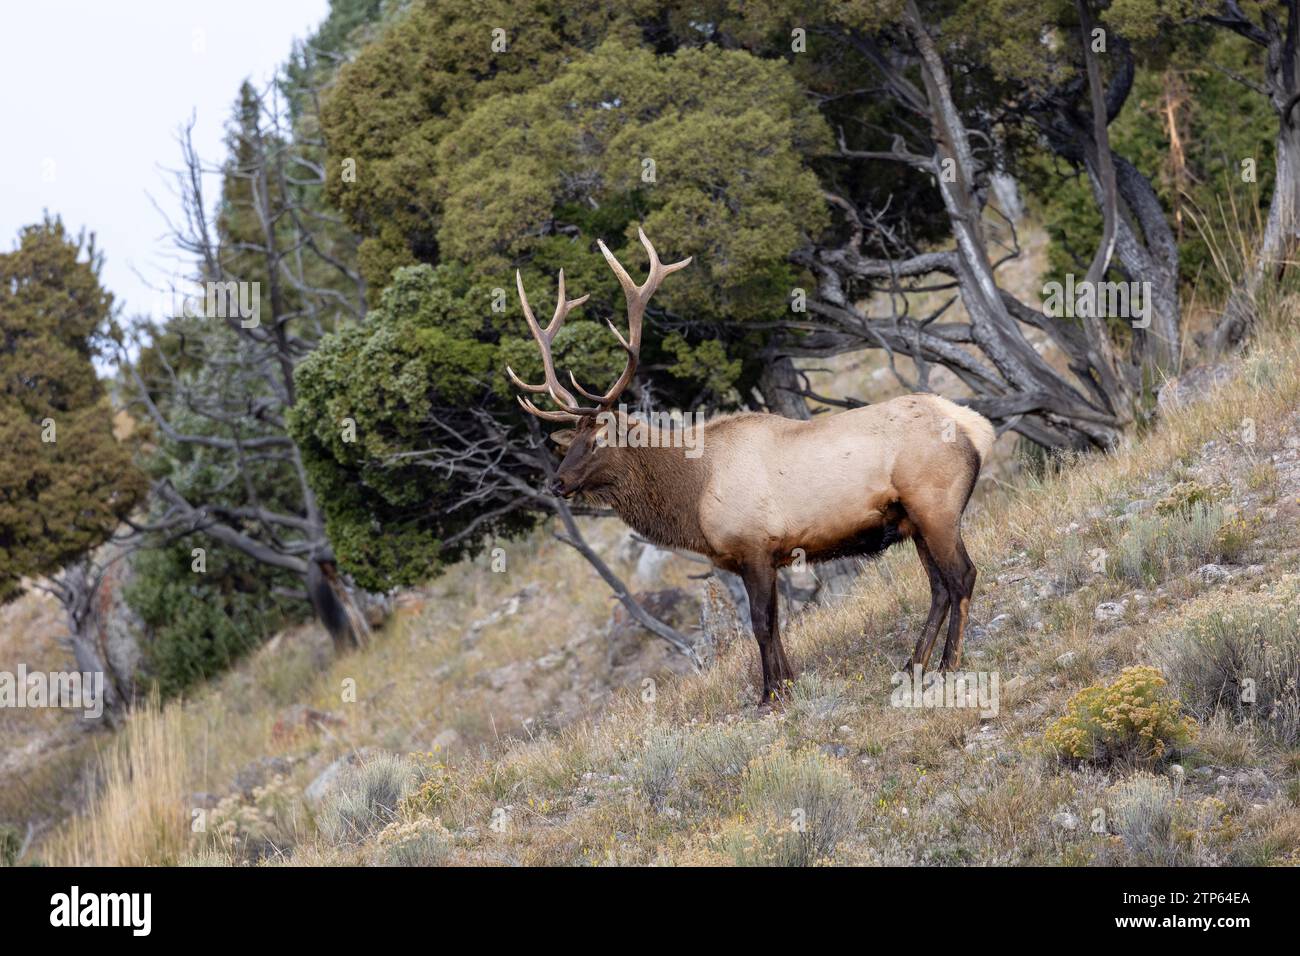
[(939, 604), (962, 577), (940, 530)]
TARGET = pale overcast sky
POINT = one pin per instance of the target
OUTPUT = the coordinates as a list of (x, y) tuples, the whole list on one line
[(92, 94)]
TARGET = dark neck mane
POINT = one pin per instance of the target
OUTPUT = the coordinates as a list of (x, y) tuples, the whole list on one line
[(658, 495)]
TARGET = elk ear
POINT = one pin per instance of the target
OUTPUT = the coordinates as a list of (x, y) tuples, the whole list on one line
[(564, 437)]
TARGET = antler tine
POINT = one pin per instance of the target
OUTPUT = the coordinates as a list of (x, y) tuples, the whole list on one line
[(637, 297), (562, 307), (542, 414), (552, 387)]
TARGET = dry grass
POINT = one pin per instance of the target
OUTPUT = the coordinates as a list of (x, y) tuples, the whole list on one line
[(697, 775), (137, 817)]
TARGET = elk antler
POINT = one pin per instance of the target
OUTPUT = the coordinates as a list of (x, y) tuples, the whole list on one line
[(637, 297), (559, 394)]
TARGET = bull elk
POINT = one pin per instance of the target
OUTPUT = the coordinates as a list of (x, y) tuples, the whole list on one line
[(764, 490)]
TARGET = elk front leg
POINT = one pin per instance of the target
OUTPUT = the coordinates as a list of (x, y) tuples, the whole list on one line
[(760, 585)]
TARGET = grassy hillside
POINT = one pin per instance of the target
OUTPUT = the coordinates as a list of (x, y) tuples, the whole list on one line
[(493, 722)]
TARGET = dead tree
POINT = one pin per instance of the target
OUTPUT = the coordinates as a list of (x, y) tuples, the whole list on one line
[(273, 275), (1013, 384), (1280, 39), (1145, 246)]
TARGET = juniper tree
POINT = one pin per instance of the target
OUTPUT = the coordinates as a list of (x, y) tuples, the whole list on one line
[(66, 481)]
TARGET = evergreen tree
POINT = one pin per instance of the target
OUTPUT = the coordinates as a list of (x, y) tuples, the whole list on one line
[(66, 481)]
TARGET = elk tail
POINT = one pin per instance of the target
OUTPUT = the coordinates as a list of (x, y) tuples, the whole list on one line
[(978, 429)]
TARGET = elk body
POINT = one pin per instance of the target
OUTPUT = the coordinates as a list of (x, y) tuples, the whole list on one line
[(759, 491)]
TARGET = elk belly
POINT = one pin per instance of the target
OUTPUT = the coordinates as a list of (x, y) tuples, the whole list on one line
[(866, 533), (838, 505)]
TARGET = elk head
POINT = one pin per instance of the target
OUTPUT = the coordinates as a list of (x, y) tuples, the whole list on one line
[(589, 463)]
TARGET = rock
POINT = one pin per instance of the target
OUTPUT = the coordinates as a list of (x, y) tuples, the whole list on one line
[(1249, 778), (508, 608), (1211, 574), (550, 662), (674, 606), (320, 787), (1192, 386), (1065, 821), (299, 721), (1066, 659), (629, 547), (650, 566), (1109, 610)]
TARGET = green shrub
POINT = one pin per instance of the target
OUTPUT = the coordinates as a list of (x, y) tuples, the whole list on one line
[(802, 806), (1135, 718), (655, 770), (1167, 541), (10, 844), (1074, 562), (366, 798), (1236, 536), (422, 841), (1142, 813), (718, 753), (820, 699), (198, 624), (1243, 658), (1185, 496)]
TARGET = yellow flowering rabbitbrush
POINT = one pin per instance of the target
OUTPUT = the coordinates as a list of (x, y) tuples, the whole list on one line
[(1133, 717)]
